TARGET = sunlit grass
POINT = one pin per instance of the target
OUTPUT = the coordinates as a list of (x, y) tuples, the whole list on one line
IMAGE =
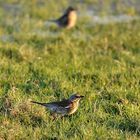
[(45, 63)]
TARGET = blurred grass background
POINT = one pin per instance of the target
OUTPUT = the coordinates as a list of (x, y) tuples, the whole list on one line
[(44, 63)]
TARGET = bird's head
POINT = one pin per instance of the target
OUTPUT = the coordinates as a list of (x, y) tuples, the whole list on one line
[(70, 9), (75, 97)]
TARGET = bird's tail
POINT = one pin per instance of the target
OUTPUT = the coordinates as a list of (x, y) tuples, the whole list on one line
[(43, 104)]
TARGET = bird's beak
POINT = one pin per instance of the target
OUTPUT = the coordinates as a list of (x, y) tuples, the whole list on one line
[(81, 96)]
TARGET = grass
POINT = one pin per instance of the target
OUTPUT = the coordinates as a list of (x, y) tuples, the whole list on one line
[(44, 63)]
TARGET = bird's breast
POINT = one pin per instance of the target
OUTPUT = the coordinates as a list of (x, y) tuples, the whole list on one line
[(73, 108), (72, 19)]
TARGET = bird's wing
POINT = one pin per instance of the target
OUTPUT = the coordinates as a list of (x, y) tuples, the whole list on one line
[(62, 103), (50, 106), (63, 20)]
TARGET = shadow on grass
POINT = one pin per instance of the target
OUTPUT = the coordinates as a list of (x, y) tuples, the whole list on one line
[(11, 53), (112, 119), (126, 124), (117, 116)]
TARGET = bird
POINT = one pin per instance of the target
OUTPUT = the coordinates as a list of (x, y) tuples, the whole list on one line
[(68, 19), (66, 107)]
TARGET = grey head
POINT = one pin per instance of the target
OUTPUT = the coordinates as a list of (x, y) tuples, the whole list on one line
[(70, 9), (75, 97)]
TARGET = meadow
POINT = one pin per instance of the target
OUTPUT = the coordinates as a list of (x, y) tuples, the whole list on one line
[(41, 62)]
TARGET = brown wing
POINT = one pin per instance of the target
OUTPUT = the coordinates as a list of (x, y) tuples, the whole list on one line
[(62, 103), (63, 21)]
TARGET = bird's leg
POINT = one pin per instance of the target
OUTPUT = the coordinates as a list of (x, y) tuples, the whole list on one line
[(54, 116), (62, 116)]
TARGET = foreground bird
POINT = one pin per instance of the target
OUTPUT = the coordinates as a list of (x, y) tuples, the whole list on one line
[(64, 107), (68, 19)]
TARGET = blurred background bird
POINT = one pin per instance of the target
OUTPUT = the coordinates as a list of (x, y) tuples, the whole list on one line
[(64, 107), (68, 19)]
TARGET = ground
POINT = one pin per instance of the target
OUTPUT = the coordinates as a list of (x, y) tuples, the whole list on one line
[(39, 61)]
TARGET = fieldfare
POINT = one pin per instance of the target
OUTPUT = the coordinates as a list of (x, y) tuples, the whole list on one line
[(68, 19), (64, 107)]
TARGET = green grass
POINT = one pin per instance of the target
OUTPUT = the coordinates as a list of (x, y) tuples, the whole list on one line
[(44, 63)]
